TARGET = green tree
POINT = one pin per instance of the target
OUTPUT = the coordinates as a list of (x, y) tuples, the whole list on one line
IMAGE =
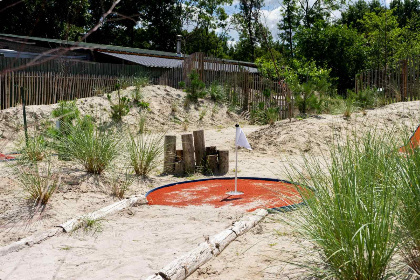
[(336, 47), (354, 13), (405, 10), (289, 23)]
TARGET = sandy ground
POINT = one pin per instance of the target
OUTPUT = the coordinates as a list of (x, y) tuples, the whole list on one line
[(263, 253)]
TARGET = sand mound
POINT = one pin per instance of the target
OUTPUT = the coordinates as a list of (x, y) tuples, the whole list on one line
[(316, 133), (168, 109)]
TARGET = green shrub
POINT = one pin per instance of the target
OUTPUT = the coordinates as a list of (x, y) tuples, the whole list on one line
[(119, 185), (409, 210), (181, 84), (122, 108), (93, 148), (34, 148), (38, 187), (264, 116), (352, 215), (364, 99), (195, 90), (66, 112), (217, 92), (144, 151)]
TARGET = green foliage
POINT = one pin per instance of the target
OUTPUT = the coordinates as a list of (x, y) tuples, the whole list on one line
[(33, 149), (264, 116), (38, 187), (195, 89), (119, 185), (120, 109), (352, 215), (409, 211), (93, 148), (144, 152), (66, 112), (181, 84), (217, 92)]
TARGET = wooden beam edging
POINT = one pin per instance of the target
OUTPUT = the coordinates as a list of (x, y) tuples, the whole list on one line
[(71, 224), (185, 265)]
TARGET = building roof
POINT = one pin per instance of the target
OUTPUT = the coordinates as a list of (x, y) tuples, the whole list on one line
[(149, 61), (149, 58)]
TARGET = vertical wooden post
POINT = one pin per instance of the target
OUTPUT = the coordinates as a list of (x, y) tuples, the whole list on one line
[(223, 162), (188, 147), (169, 154), (212, 163), (200, 147)]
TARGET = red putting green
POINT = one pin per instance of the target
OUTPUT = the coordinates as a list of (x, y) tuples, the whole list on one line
[(258, 193)]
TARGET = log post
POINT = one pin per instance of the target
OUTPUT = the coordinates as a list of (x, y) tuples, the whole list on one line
[(200, 147), (169, 154), (188, 147), (223, 162), (179, 168), (212, 163), (211, 150)]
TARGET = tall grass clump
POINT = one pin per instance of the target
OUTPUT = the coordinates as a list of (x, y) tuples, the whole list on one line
[(37, 187), (351, 216), (95, 149), (144, 152), (409, 209), (196, 87), (217, 92), (33, 149)]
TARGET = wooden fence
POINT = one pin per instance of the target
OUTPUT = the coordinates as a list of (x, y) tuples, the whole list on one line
[(246, 88), (400, 82), (49, 88)]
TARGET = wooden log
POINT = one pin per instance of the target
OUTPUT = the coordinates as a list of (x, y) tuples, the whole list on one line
[(211, 150), (188, 147), (179, 168), (155, 277), (184, 266), (221, 240), (169, 154), (179, 155), (200, 147), (223, 162), (212, 163), (248, 222)]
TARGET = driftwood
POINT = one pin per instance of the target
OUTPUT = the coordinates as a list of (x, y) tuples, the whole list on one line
[(185, 265), (200, 147), (169, 154), (188, 152), (223, 162), (115, 207)]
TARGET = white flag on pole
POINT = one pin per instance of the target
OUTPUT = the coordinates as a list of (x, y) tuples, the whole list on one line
[(241, 140)]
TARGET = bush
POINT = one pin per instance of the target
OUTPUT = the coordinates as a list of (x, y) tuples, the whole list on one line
[(364, 99), (144, 151), (122, 108), (217, 92), (264, 116), (409, 211), (181, 84), (195, 90), (93, 148), (34, 148), (37, 187), (66, 112), (351, 217)]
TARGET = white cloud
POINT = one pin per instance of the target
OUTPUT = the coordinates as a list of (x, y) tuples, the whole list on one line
[(270, 19)]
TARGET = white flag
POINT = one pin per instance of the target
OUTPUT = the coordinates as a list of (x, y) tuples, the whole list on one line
[(241, 140)]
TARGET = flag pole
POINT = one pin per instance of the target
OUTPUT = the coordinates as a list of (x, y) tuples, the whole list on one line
[(236, 164)]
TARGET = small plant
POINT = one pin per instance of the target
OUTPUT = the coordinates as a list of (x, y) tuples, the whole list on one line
[(38, 187), (142, 123), (90, 224), (118, 186), (34, 148), (349, 108), (217, 93), (202, 114), (181, 85), (195, 90), (144, 151), (271, 115), (93, 148), (143, 104), (185, 124), (174, 107), (66, 112), (121, 108)]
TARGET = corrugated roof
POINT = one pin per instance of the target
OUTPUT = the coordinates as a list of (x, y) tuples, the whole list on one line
[(149, 61), (171, 63)]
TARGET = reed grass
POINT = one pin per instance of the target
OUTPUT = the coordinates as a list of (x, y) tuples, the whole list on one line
[(351, 216), (144, 151)]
